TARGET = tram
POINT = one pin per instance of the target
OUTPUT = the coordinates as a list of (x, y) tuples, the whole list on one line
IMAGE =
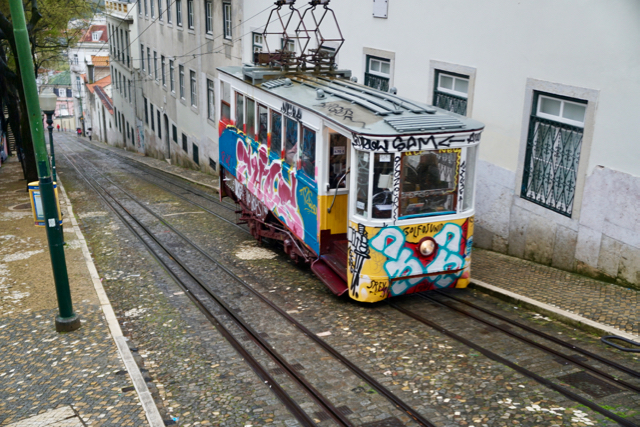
[(374, 190)]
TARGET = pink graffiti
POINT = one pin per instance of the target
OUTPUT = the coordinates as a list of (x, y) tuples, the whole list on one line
[(267, 182)]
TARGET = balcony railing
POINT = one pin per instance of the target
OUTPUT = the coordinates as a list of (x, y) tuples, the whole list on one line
[(120, 9), (450, 102), (376, 82)]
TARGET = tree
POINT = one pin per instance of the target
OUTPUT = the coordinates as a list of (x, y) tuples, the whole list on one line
[(49, 35)]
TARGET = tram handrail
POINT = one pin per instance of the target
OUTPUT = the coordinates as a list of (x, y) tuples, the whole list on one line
[(335, 193)]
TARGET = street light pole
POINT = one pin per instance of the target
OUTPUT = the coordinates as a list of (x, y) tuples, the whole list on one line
[(67, 320), (48, 101)]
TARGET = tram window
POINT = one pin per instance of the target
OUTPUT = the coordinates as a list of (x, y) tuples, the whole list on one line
[(428, 182), (262, 124), (308, 155), (225, 103), (382, 201), (291, 140), (337, 160), (276, 133), (240, 112), (467, 197), (362, 191), (251, 118)]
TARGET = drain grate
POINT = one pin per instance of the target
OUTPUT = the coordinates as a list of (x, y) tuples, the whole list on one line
[(277, 371), (387, 422), (574, 357), (321, 415), (297, 367), (264, 335), (344, 410), (590, 384)]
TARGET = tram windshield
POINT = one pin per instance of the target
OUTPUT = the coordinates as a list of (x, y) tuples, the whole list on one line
[(429, 182)]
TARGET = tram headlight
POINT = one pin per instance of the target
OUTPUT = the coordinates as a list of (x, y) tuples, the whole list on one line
[(427, 246)]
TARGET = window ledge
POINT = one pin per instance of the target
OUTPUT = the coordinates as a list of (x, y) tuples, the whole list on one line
[(212, 122), (195, 109), (209, 36)]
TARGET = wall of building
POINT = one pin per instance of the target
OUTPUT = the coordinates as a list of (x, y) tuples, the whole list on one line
[(510, 50), (197, 51)]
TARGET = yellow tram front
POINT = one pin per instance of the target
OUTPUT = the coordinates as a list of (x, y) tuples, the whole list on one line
[(411, 207)]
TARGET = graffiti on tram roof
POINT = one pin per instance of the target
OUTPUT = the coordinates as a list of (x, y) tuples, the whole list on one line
[(413, 143)]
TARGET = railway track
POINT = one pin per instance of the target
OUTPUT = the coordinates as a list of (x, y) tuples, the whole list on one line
[(166, 251), (446, 331), (461, 337)]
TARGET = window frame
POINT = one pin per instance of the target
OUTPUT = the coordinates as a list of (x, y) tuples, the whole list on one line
[(193, 88), (179, 13), (227, 29), (190, 17), (563, 101), (181, 81), (211, 100), (163, 70), (208, 17), (530, 168), (455, 76), (172, 80), (168, 10), (142, 58), (155, 66)]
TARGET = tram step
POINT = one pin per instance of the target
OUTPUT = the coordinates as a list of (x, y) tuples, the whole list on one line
[(334, 282), (341, 247), (338, 263)]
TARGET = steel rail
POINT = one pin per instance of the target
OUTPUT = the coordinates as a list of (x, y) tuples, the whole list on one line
[(399, 403), (295, 409), (547, 336), (524, 371), (186, 199), (162, 175), (536, 344)]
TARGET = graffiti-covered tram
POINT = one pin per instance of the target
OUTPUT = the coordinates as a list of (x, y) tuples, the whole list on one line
[(375, 191)]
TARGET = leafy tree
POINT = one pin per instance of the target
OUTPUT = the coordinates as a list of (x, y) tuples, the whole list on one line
[(50, 35)]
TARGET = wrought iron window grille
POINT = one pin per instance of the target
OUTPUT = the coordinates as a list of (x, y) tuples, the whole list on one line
[(551, 164)]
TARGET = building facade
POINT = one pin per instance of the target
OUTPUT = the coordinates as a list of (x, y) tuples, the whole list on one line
[(556, 85), (125, 85), (93, 43)]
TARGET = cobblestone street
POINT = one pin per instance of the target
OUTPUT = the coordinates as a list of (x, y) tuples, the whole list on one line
[(196, 377)]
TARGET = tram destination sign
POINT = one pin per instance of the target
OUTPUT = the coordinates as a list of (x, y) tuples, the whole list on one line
[(415, 143)]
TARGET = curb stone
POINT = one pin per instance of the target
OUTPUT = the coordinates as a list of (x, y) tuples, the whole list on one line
[(144, 395), (559, 314)]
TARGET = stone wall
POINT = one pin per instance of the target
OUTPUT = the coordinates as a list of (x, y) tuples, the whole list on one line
[(602, 240)]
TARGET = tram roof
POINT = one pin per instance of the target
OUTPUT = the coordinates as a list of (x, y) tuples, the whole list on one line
[(359, 108)]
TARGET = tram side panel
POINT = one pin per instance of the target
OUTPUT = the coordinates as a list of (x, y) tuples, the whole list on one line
[(287, 193)]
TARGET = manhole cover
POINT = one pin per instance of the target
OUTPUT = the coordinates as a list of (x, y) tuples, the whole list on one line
[(590, 384), (387, 422), (21, 207)]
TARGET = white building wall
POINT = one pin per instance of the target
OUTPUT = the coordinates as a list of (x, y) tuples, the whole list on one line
[(586, 50), (195, 50)]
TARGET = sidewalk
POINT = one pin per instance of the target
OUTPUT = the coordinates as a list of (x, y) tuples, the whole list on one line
[(85, 377), (601, 307)]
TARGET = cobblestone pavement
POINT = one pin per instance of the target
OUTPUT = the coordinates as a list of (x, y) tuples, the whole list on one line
[(450, 383), (196, 377), (42, 370), (602, 302)]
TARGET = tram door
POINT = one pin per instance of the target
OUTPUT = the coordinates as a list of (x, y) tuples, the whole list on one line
[(335, 219)]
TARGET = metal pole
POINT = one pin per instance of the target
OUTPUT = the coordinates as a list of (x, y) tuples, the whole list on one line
[(67, 320), (49, 115)]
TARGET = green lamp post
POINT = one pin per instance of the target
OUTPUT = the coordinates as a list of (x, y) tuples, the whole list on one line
[(67, 320)]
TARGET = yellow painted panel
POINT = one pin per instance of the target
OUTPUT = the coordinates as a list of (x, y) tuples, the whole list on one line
[(336, 221), (378, 255)]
